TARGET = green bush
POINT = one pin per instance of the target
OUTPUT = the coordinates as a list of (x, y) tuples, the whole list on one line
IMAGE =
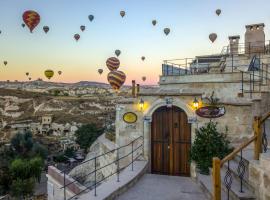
[(209, 143)]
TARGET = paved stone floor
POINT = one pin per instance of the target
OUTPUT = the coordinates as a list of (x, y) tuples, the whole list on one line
[(158, 187)]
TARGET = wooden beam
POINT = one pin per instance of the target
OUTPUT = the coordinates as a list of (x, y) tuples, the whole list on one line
[(216, 179), (258, 135)]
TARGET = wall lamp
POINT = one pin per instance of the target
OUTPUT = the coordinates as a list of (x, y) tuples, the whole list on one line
[(141, 104), (195, 103)]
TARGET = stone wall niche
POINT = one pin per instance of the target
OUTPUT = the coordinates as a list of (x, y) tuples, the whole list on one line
[(255, 39)]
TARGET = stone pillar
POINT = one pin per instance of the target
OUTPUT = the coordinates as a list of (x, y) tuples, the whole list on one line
[(147, 137), (254, 39), (234, 44)]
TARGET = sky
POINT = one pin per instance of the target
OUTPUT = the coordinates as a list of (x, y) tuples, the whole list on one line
[(190, 22)]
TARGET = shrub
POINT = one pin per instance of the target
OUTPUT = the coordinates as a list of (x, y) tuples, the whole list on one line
[(209, 143)]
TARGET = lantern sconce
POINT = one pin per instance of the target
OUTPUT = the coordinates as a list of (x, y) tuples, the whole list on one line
[(141, 104), (195, 103)]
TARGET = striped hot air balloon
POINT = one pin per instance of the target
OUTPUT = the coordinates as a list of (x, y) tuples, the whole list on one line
[(116, 79), (31, 19), (113, 63), (49, 73)]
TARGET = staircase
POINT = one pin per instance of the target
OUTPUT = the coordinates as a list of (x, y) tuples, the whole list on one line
[(244, 174), (248, 190)]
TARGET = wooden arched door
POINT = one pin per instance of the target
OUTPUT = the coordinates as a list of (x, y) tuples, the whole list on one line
[(170, 142)]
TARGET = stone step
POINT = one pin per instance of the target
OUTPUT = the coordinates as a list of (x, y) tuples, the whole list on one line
[(235, 193), (205, 182), (265, 160)]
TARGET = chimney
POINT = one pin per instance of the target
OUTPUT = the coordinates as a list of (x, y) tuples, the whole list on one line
[(138, 88), (133, 88), (254, 39), (234, 44)]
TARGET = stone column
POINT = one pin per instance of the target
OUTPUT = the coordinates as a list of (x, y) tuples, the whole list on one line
[(234, 43), (147, 137)]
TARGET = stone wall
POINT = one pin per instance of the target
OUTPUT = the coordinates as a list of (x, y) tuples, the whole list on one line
[(259, 176)]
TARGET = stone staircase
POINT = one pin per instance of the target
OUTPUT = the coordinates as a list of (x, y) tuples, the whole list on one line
[(252, 185)]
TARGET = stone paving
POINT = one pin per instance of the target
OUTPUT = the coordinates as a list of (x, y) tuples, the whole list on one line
[(159, 187)]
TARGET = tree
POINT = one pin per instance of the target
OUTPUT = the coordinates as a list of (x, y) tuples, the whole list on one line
[(24, 174), (87, 134), (22, 143), (209, 143), (70, 152)]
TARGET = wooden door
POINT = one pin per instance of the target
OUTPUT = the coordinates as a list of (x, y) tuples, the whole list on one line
[(170, 142)]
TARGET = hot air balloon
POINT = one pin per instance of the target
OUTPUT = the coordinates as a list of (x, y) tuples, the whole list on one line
[(154, 22), (29, 78), (122, 13), (0, 32), (77, 37), (91, 17), (31, 19), (143, 58), (167, 31), (82, 28), (144, 78), (113, 63), (23, 25), (46, 29), (5, 62), (27, 73), (218, 12), (49, 73), (100, 71), (116, 79), (213, 37), (117, 52), (59, 72)]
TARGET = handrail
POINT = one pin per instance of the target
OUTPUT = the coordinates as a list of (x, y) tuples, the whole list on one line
[(260, 140), (116, 161), (264, 118), (237, 150)]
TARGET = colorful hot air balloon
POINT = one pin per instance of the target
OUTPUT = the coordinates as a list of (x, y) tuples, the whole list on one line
[(100, 71), (27, 73), (31, 19), (46, 29), (5, 62), (117, 52), (77, 37), (218, 12), (113, 63), (49, 73), (122, 13), (154, 22), (143, 58), (23, 25), (144, 78), (213, 37), (82, 27), (59, 72), (167, 31), (116, 79), (91, 17)]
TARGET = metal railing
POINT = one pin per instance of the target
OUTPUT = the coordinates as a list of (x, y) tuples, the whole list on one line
[(260, 146), (204, 64), (136, 151)]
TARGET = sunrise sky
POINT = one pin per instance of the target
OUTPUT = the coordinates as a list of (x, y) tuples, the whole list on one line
[(190, 22)]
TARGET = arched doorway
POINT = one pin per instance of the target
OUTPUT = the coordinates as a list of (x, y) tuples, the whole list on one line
[(170, 142)]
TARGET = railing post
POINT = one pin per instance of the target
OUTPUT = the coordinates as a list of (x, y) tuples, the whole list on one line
[(64, 185), (232, 62), (216, 179), (242, 86), (132, 155), (258, 140), (95, 176), (117, 157)]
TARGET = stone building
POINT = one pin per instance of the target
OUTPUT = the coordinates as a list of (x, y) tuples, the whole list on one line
[(167, 116)]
